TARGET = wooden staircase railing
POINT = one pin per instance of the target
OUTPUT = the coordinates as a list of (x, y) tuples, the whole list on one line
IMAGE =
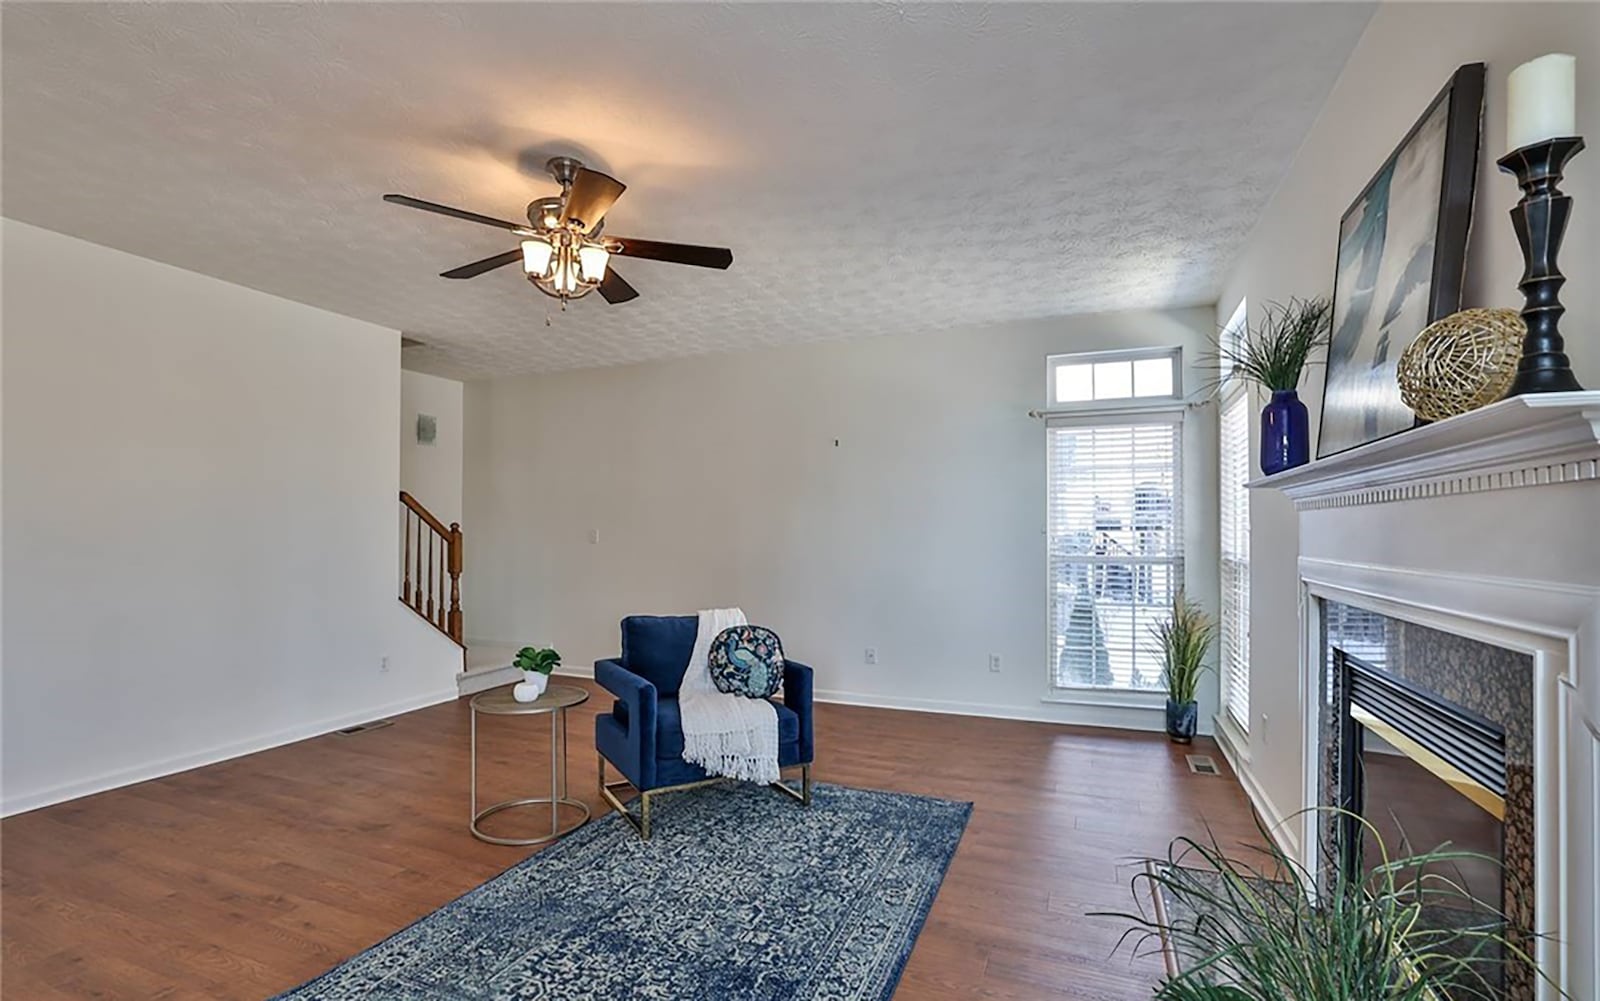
[(422, 582)]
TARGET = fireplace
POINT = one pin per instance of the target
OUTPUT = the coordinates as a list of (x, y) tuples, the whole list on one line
[(1455, 564), (1418, 773), (1426, 740)]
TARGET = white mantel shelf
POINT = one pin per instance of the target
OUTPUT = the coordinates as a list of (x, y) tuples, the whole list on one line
[(1524, 441)]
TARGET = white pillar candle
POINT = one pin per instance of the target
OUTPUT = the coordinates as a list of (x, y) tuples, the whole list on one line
[(1541, 100)]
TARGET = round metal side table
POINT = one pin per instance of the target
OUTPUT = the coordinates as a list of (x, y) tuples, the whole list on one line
[(555, 702)]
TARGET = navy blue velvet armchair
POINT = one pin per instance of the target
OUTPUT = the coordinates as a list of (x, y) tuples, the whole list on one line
[(642, 737)]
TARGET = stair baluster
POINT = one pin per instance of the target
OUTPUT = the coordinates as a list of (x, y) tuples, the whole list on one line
[(456, 547), (443, 562), (416, 596), (405, 559), (429, 574)]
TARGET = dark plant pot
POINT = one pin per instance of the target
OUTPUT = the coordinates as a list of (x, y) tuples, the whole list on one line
[(1182, 718), (1285, 432)]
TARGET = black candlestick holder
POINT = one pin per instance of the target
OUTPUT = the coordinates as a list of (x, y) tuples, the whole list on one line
[(1540, 220)]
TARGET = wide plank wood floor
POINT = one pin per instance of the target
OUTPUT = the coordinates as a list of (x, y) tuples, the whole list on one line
[(243, 879)]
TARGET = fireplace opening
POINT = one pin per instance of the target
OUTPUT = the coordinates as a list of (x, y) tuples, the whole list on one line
[(1424, 773)]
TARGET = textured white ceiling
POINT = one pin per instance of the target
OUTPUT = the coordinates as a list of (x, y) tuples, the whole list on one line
[(875, 169)]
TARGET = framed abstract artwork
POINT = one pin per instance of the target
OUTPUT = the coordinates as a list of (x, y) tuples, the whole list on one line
[(1401, 262)]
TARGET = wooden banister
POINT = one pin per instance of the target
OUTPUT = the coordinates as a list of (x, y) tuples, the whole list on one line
[(427, 517), (422, 578)]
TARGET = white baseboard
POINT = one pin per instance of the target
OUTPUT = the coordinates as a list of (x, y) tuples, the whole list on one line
[(481, 679), (1284, 830), (210, 756), (1111, 717)]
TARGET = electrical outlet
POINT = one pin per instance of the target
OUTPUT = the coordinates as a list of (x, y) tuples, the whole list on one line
[(994, 663), (872, 655), (383, 665), (594, 536)]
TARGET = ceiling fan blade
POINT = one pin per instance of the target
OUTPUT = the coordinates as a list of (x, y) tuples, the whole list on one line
[(672, 253), (614, 290), (477, 268), (417, 203), (591, 197)]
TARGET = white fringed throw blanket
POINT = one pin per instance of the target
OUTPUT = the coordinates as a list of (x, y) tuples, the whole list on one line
[(725, 734)]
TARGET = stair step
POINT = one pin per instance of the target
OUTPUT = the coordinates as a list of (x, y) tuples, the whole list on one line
[(489, 655)]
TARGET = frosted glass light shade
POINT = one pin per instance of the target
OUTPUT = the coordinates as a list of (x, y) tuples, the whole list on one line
[(536, 257), (565, 276), (592, 261)]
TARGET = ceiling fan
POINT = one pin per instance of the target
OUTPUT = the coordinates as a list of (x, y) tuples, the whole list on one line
[(563, 252)]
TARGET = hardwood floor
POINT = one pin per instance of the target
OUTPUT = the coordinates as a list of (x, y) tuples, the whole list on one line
[(243, 879)]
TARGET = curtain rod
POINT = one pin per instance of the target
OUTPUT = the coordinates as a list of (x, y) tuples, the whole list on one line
[(1091, 411)]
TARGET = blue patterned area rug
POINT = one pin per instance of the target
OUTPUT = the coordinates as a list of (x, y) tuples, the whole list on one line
[(741, 893)]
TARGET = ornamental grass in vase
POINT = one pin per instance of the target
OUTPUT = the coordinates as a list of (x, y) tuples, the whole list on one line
[(1183, 639), (1266, 928), (1273, 353)]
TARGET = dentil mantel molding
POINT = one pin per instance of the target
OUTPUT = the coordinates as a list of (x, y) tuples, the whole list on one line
[(1524, 441)]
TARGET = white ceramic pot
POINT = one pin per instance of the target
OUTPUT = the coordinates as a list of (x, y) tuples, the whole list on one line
[(532, 686)]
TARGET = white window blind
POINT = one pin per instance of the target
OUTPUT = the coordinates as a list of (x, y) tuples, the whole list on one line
[(1235, 506), (1116, 545)]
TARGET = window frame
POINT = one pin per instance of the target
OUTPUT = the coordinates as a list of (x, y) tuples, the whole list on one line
[(1154, 410), (1055, 361), (1238, 395), (1232, 391)]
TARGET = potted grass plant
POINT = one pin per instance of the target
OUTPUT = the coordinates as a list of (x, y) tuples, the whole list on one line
[(1273, 353), (536, 664), (1183, 639), (1257, 925)]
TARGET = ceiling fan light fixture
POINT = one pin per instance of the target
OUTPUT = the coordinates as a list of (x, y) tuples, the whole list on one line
[(592, 260), (536, 257), (562, 252), (565, 278)]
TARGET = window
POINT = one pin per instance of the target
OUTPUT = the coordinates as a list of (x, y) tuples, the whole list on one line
[(1233, 331), (1116, 543), (1233, 447), (1235, 506), (1114, 375)]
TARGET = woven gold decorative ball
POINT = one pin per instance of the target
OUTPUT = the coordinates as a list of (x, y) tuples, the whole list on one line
[(1462, 362)]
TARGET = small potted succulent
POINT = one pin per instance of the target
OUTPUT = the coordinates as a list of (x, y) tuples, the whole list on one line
[(1184, 639), (536, 664), (1273, 353)]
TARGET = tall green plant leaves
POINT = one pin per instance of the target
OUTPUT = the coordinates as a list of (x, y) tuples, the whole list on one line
[(1275, 350), (1261, 927), (1183, 639)]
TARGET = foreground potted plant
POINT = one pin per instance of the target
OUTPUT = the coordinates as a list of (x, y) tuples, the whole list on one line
[(1269, 929), (1184, 638), (536, 664), (1273, 353)]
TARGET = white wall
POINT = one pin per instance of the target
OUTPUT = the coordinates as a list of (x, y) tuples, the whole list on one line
[(1407, 53), (716, 481), (432, 473), (199, 508)]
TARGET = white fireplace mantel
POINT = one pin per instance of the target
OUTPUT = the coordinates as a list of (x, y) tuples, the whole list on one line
[(1519, 442), (1486, 525)]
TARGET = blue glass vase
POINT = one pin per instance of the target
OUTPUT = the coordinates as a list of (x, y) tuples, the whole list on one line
[(1285, 432)]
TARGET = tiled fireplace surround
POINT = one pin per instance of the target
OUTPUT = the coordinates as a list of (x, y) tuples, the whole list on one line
[(1490, 682), (1479, 538)]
